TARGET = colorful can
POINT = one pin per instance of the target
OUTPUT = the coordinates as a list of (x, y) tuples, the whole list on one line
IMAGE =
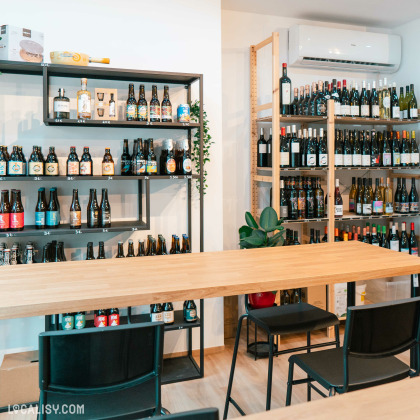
[(183, 113)]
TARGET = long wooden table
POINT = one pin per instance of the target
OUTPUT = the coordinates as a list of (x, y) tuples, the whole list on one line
[(398, 400), (45, 289)]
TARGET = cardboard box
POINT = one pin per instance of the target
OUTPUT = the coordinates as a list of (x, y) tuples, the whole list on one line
[(340, 300), (19, 381), (21, 44), (317, 296), (102, 98)]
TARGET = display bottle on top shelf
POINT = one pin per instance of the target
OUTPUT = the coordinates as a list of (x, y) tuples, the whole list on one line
[(413, 197), (405, 152), (112, 110), (412, 105), (395, 103), (166, 106), (51, 163), (403, 104), (120, 252), (142, 111), (105, 210), (414, 150), (86, 163), (15, 163), (83, 102), (355, 101), (73, 164), (154, 106), (89, 251), (36, 163), (294, 105), (261, 150), (108, 168), (53, 210), (186, 159), (61, 105), (404, 199), (41, 210), (131, 104), (151, 168), (320, 101), (75, 211), (125, 160), (270, 150), (101, 251), (92, 210), (4, 212), (285, 92), (386, 101), (306, 101), (413, 243), (130, 252)]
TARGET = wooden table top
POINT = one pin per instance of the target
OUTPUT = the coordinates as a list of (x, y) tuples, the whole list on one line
[(398, 400), (44, 289)]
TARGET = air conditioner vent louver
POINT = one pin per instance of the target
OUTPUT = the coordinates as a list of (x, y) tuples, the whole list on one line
[(331, 60)]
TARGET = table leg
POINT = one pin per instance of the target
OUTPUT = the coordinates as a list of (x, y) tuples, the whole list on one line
[(414, 293)]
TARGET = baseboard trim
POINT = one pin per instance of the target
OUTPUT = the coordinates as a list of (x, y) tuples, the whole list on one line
[(196, 353)]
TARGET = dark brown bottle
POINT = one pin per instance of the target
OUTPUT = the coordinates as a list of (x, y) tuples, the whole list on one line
[(101, 251), (151, 168), (154, 106), (166, 106), (73, 165), (130, 252), (4, 211), (186, 249), (105, 210), (89, 251), (75, 212), (140, 249), (17, 214), (120, 253), (93, 210), (142, 113), (86, 163), (186, 160), (108, 168)]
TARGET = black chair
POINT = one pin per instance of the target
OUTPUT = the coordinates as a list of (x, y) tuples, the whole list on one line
[(115, 372), (278, 320), (204, 414), (374, 335)]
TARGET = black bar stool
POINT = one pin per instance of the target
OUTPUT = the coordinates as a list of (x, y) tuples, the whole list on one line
[(278, 320)]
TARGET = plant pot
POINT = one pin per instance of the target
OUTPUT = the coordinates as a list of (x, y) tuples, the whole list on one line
[(262, 300)]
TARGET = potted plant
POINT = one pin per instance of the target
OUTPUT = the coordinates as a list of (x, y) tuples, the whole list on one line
[(253, 236)]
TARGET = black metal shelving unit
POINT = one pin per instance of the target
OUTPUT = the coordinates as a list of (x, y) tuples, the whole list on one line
[(179, 368)]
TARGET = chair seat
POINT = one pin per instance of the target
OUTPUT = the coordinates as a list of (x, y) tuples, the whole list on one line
[(326, 367), (296, 318)]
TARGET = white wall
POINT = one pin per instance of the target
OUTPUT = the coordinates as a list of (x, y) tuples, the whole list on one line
[(164, 36)]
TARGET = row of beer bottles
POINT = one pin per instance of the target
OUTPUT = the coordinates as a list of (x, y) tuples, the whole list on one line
[(165, 312), (102, 318)]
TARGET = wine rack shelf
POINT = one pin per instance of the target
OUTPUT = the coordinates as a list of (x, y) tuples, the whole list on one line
[(342, 168), (95, 178)]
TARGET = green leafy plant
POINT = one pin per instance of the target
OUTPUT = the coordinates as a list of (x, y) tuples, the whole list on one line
[(207, 142), (253, 236)]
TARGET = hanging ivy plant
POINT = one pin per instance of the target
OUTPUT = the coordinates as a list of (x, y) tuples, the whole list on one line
[(207, 142)]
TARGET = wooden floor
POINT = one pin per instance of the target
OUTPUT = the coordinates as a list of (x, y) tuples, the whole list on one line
[(249, 385)]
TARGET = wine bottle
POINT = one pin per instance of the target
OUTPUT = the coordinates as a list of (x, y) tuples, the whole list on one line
[(262, 151), (125, 160), (355, 101), (305, 103), (375, 240), (294, 106), (322, 149), (386, 101), (404, 244), (395, 103), (319, 200), (53, 210), (310, 201), (397, 197), (352, 195), (414, 247), (404, 200), (338, 201), (388, 204), (312, 236), (105, 210), (40, 209), (374, 102), (283, 202), (374, 150), (75, 212), (378, 202), (347, 151), (269, 150), (301, 201), (403, 105), (311, 150), (366, 157), (285, 92), (366, 200), (412, 105), (295, 156), (338, 150), (396, 155), (93, 210), (414, 150), (386, 152), (284, 149), (293, 201), (357, 151), (413, 197), (365, 110), (320, 101), (345, 101)]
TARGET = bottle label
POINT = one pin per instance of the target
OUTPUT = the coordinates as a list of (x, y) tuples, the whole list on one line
[(386, 102), (354, 109), (396, 159), (156, 317), (154, 111), (36, 168), (105, 218), (79, 321), (73, 168), (323, 159), (375, 243), (351, 204), (405, 250), (186, 164), (389, 208), (51, 168), (345, 110), (167, 112), (338, 160), (413, 113), (3, 168), (386, 159), (338, 210), (405, 158), (168, 317), (171, 166), (15, 168), (396, 112), (415, 280), (414, 159), (4, 221), (284, 158), (125, 166), (107, 168), (85, 168), (151, 167), (53, 218), (378, 207), (113, 320), (295, 147), (131, 111), (100, 321), (414, 207), (357, 160), (375, 159), (375, 111), (404, 208), (67, 322), (39, 218), (301, 203), (367, 209), (347, 160), (262, 148), (94, 216), (394, 245), (365, 160), (16, 220), (190, 314), (140, 167), (112, 109), (75, 218), (414, 251), (142, 112), (285, 94), (293, 205), (284, 212), (311, 160), (364, 110), (337, 108), (358, 208), (61, 106), (404, 114), (83, 104), (321, 108)]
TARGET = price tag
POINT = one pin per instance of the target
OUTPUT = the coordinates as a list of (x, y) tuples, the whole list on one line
[(78, 231), (318, 220), (146, 177), (149, 123), (46, 233), (10, 235), (80, 121), (37, 178), (58, 120), (105, 230), (2, 178), (45, 64), (186, 124), (349, 169), (415, 280), (110, 178), (187, 176), (173, 176), (133, 229), (70, 178), (106, 122)]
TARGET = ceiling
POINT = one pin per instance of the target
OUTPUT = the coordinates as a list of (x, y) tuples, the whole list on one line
[(378, 13)]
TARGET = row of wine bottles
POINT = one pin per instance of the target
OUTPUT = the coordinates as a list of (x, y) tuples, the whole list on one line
[(348, 102), (143, 161)]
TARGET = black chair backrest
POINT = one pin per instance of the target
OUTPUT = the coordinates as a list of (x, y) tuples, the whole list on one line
[(382, 329), (204, 414), (96, 360)]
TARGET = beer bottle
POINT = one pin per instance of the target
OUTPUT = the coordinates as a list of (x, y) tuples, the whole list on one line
[(186, 249), (73, 165), (125, 160), (45, 254), (133, 157), (6, 256), (114, 317), (80, 320), (29, 254), (57, 253), (151, 160), (101, 252), (186, 160), (23, 160), (100, 318), (93, 210), (152, 247), (35, 164), (120, 253), (177, 246), (168, 313), (41, 210), (140, 162), (51, 163), (105, 211), (53, 210), (3, 162), (173, 245), (15, 164), (130, 252), (154, 106), (108, 163), (61, 251), (170, 163), (86, 163), (142, 105), (166, 106), (140, 249), (131, 107), (89, 251), (191, 311), (75, 212), (6, 153), (4, 211), (14, 255), (17, 214), (156, 314), (67, 321)]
